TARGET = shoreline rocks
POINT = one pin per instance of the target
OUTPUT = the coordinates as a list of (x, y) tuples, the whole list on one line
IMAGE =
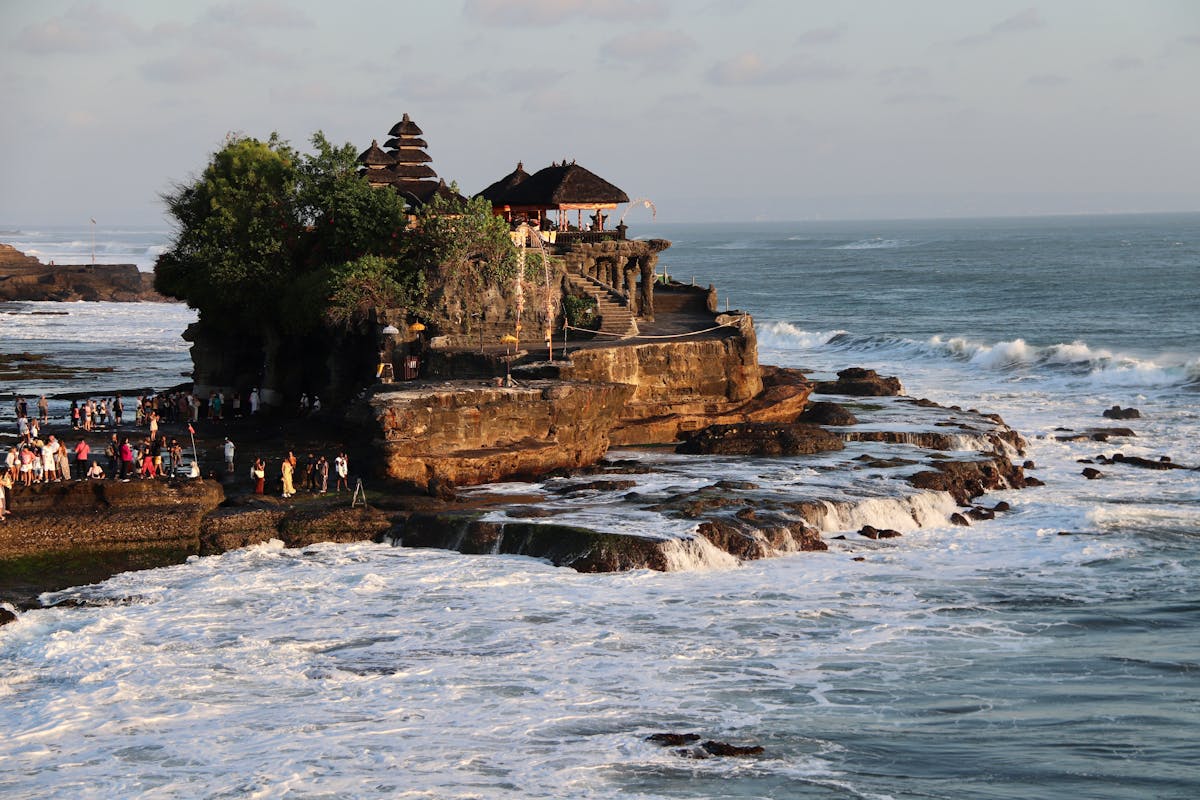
[(23, 277)]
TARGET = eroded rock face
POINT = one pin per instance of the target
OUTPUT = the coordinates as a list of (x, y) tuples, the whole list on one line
[(468, 435), (228, 529)]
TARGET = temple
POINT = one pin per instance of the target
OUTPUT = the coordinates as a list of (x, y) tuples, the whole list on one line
[(404, 166), (559, 188)]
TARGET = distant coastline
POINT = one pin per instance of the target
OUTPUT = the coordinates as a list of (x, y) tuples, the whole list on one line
[(24, 277)]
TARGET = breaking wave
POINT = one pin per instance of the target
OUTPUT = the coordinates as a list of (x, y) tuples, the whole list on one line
[(1099, 366), (875, 243)]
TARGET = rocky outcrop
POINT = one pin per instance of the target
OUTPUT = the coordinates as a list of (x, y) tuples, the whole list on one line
[(465, 434), (81, 514), (966, 480), (761, 439), (859, 382), (23, 277), (264, 520), (1116, 412)]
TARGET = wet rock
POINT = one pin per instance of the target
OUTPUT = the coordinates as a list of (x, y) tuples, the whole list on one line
[(726, 749), (1091, 473), (859, 382), (1001, 507), (531, 512), (1163, 462), (827, 413), (442, 488), (7, 615), (595, 486), (743, 486), (1116, 412), (966, 480), (1033, 482), (761, 439), (1029, 465), (856, 558), (960, 520), (871, 532), (981, 514), (673, 739)]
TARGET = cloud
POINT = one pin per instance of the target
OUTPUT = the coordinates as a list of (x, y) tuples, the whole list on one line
[(437, 89), (650, 49), (894, 76), (259, 14), (549, 101), (1024, 21), (919, 98), (83, 29), (822, 35), (1192, 39), (1123, 63), (1027, 20), (189, 66), (1045, 80), (524, 13), (749, 69)]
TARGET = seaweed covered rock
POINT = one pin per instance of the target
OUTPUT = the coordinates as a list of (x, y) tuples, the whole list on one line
[(761, 439)]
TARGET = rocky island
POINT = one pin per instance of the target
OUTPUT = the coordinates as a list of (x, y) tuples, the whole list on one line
[(419, 349)]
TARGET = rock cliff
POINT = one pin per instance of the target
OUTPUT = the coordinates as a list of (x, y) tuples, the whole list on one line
[(23, 277)]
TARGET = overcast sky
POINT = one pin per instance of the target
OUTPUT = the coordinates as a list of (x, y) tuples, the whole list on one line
[(738, 109)]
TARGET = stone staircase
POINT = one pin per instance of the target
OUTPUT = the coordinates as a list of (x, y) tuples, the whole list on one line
[(614, 313)]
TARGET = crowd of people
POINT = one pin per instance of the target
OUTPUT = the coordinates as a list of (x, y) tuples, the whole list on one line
[(145, 452)]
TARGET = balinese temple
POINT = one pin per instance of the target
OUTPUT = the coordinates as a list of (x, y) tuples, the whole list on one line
[(561, 188), (404, 166)]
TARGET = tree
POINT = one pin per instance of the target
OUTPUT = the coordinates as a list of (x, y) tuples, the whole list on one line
[(236, 231)]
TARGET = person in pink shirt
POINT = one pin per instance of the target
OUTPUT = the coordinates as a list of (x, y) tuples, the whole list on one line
[(82, 454)]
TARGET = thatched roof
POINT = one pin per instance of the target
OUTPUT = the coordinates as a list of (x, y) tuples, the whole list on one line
[(419, 193), (411, 171), (405, 141), (410, 155), (498, 191), (563, 184), (377, 177), (405, 127), (373, 156)]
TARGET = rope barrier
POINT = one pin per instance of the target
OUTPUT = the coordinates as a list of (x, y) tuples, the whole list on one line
[(660, 336)]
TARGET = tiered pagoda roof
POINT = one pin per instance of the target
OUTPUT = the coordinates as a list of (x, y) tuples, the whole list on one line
[(404, 166)]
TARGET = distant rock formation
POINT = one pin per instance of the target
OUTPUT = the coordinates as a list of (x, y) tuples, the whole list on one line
[(23, 277)]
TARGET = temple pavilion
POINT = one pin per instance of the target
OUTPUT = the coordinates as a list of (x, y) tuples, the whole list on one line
[(559, 188), (404, 166)]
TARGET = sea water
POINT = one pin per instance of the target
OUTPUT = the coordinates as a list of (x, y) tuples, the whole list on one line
[(1050, 653)]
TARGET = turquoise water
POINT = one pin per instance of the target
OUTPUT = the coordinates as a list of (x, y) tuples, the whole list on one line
[(1006, 660)]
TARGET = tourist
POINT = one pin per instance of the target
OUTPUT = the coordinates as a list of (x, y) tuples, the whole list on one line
[(49, 460), (288, 467), (229, 451), (153, 425), (254, 401), (82, 454), (12, 463), (259, 473), (33, 429), (43, 409), (126, 459), (102, 413), (316, 404), (146, 457), (95, 471), (62, 462), (341, 465), (74, 415), (118, 408), (323, 474), (310, 473), (176, 457), (27, 460), (6, 484), (156, 453), (113, 453), (23, 428)]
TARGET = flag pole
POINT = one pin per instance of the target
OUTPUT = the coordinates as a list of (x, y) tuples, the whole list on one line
[(195, 456), (93, 241)]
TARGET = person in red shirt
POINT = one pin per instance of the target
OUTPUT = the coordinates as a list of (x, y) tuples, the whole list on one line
[(82, 453)]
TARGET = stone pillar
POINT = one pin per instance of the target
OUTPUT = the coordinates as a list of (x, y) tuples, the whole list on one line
[(631, 292), (647, 265), (710, 300)]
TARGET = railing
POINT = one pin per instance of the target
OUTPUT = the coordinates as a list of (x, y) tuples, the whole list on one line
[(588, 237)]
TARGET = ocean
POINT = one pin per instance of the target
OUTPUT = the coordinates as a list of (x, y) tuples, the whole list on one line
[(1050, 653)]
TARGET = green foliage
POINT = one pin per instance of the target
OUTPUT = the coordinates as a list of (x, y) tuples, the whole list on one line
[(360, 286), (580, 311), (452, 235), (236, 230)]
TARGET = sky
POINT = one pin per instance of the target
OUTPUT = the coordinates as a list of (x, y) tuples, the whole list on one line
[(735, 110)]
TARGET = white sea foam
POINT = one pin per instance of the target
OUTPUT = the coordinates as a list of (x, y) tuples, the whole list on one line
[(874, 243)]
